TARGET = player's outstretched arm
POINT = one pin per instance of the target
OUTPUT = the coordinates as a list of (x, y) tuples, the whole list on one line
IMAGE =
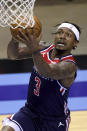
[(14, 51)]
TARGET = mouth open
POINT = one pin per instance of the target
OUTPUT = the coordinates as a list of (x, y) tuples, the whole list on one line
[(61, 43)]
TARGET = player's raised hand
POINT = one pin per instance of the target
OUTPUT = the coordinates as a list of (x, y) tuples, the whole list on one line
[(31, 41)]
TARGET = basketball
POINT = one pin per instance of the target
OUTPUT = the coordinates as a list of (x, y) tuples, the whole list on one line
[(37, 29)]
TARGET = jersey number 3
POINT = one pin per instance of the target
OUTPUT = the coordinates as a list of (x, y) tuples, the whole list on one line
[(38, 83)]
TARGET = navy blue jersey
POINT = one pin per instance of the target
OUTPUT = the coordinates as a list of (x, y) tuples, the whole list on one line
[(47, 97)]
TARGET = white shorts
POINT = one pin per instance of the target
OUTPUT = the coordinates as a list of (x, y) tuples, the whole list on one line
[(12, 123)]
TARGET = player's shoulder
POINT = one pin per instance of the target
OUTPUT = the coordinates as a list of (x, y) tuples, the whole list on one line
[(45, 45), (69, 58)]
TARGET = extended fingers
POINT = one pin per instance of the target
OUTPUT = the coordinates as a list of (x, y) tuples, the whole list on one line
[(33, 33), (20, 38), (28, 34), (22, 35), (31, 36)]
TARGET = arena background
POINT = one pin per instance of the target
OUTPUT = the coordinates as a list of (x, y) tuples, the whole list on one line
[(15, 74)]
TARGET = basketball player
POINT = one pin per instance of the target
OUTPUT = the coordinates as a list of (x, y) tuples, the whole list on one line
[(53, 73)]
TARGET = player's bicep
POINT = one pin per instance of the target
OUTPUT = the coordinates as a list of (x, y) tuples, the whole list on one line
[(63, 70)]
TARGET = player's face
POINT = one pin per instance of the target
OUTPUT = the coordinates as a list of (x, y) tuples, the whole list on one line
[(65, 39)]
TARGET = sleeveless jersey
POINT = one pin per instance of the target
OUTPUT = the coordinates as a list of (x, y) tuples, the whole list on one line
[(46, 96)]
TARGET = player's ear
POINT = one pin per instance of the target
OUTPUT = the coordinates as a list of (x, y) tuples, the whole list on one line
[(75, 44)]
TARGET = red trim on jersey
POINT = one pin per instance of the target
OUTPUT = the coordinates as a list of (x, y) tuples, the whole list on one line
[(70, 57), (62, 90), (45, 55)]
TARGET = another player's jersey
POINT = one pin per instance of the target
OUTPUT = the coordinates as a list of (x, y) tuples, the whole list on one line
[(47, 97)]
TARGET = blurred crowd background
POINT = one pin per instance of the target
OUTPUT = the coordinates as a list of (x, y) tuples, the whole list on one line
[(50, 13)]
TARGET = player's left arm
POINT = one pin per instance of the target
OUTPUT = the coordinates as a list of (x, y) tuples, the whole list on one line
[(14, 51)]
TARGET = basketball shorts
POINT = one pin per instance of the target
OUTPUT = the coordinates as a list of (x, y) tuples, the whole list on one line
[(25, 120)]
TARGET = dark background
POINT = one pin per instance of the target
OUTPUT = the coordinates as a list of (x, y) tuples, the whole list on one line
[(25, 65)]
